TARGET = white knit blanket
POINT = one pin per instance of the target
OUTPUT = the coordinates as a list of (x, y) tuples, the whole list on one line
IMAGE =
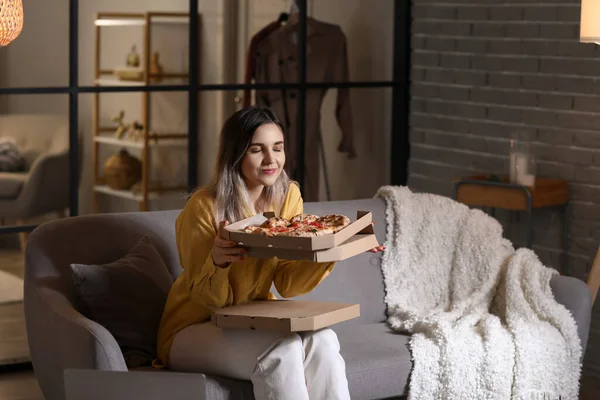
[(483, 321)]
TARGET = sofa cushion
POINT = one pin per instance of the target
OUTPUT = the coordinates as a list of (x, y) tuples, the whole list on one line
[(127, 297), (378, 362), (11, 184)]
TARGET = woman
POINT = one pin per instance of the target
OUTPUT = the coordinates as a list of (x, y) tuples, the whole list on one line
[(248, 179)]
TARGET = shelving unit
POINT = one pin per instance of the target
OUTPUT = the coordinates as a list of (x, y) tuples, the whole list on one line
[(106, 77), (138, 145)]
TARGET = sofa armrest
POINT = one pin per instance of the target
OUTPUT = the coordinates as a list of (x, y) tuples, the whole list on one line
[(575, 295), (47, 186), (81, 384), (60, 338)]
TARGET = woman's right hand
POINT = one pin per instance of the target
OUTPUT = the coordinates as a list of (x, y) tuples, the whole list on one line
[(224, 251)]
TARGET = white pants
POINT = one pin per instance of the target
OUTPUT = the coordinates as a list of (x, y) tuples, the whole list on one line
[(280, 366)]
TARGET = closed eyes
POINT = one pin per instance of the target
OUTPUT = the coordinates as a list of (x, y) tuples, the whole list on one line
[(257, 148)]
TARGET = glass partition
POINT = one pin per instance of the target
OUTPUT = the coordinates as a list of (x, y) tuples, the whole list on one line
[(126, 78)]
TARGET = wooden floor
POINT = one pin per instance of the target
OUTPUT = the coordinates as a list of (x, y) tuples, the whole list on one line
[(19, 385), (17, 381)]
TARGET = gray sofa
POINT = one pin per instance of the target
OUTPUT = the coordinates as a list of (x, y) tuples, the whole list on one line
[(66, 346)]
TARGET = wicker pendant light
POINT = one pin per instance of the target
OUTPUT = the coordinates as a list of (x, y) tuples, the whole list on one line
[(11, 20)]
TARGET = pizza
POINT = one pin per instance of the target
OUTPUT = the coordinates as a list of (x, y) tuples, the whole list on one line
[(270, 224), (301, 225)]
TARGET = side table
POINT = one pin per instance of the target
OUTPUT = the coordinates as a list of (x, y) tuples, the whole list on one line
[(483, 191)]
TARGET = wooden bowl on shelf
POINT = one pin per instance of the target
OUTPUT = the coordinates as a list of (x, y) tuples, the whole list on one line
[(122, 170), (129, 74)]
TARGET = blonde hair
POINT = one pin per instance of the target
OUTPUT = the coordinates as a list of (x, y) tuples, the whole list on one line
[(227, 186)]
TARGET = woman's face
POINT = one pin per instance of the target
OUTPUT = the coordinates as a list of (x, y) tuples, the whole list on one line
[(263, 162)]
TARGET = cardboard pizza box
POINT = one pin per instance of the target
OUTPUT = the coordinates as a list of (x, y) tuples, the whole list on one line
[(362, 225), (284, 315), (357, 244)]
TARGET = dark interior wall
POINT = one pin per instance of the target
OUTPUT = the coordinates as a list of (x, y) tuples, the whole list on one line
[(484, 69)]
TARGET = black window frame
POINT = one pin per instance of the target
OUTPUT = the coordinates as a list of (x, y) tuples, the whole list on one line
[(400, 84)]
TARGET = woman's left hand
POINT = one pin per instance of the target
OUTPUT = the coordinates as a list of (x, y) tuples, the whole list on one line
[(377, 249)]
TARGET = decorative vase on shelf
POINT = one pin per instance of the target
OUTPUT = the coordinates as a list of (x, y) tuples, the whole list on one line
[(522, 164), (156, 70), (122, 170), (133, 58)]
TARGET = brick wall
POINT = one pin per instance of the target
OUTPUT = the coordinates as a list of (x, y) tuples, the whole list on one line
[(483, 69)]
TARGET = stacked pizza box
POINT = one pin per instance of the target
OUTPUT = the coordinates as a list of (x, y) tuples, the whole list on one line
[(305, 237), (284, 315), (324, 238)]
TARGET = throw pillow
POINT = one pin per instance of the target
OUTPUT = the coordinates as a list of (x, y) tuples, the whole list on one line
[(127, 297), (11, 160)]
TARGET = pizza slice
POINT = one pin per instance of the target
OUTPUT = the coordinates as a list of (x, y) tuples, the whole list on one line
[(255, 229), (275, 222), (269, 227), (303, 218), (334, 221), (313, 229)]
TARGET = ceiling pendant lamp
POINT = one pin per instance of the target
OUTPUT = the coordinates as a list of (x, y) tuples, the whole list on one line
[(589, 28), (11, 20)]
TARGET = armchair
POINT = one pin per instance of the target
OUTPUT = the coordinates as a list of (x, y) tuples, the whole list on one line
[(43, 187)]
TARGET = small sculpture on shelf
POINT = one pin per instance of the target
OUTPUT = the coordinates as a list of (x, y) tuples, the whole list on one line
[(122, 170), (156, 70), (133, 58), (136, 131), (122, 127)]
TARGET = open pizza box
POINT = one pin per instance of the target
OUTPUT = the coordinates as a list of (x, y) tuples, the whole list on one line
[(354, 239), (284, 315)]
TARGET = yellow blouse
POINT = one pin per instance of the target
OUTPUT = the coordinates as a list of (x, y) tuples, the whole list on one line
[(203, 287)]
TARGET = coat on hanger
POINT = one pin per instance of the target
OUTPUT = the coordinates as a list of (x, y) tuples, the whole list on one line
[(276, 61), (250, 56)]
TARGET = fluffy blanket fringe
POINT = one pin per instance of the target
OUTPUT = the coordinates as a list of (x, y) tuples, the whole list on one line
[(483, 321)]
